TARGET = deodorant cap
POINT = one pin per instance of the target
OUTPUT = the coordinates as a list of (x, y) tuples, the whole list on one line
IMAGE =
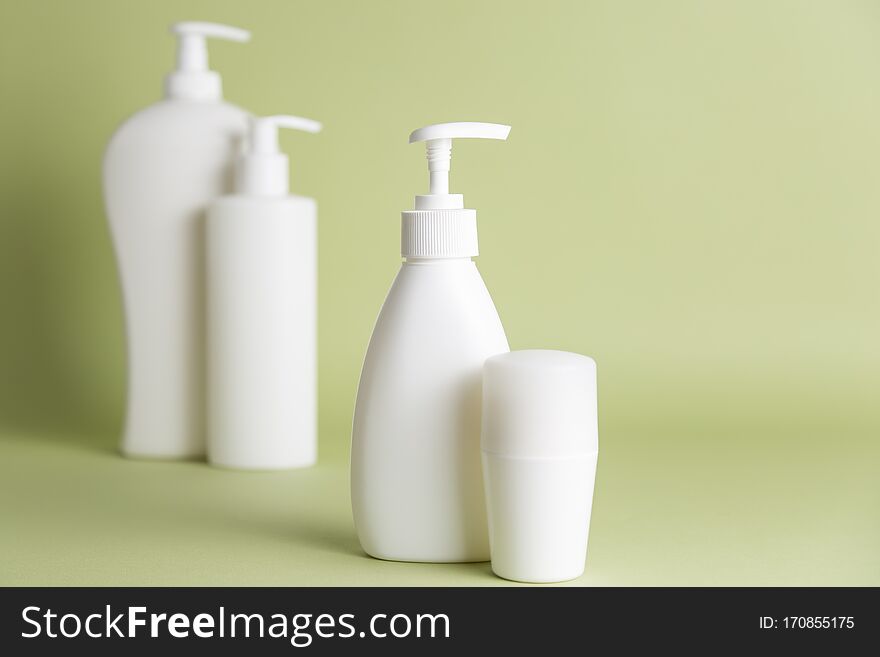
[(540, 403)]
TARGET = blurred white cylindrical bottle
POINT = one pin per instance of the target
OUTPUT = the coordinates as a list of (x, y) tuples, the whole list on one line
[(262, 313)]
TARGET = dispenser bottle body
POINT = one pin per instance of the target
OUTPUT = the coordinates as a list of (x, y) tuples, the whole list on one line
[(417, 491), (160, 170), (262, 332)]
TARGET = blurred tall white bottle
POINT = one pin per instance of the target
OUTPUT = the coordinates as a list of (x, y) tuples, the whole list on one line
[(416, 485), (161, 168), (261, 246)]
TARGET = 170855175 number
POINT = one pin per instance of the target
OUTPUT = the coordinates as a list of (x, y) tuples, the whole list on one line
[(818, 622)]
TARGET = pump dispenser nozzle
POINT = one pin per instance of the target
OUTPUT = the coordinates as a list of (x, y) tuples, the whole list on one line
[(438, 145), (263, 170), (192, 80), (440, 226)]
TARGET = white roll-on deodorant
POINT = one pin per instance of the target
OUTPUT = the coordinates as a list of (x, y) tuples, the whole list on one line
[(539, 451)]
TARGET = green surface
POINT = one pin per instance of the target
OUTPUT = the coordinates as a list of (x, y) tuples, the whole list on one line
[(689, 195), (738, 500)]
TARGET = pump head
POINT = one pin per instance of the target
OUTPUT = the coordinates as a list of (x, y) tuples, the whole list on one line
[(438, 144), (263, 170), (440, 226), (192, 80)]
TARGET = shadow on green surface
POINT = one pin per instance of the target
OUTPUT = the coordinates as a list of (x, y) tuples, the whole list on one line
[(50, 432)]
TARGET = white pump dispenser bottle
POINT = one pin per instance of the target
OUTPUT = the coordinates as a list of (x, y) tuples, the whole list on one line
[(261, 246), (416, 485), (161, 168)]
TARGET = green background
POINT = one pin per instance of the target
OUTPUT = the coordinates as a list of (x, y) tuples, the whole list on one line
[(689, 195)]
